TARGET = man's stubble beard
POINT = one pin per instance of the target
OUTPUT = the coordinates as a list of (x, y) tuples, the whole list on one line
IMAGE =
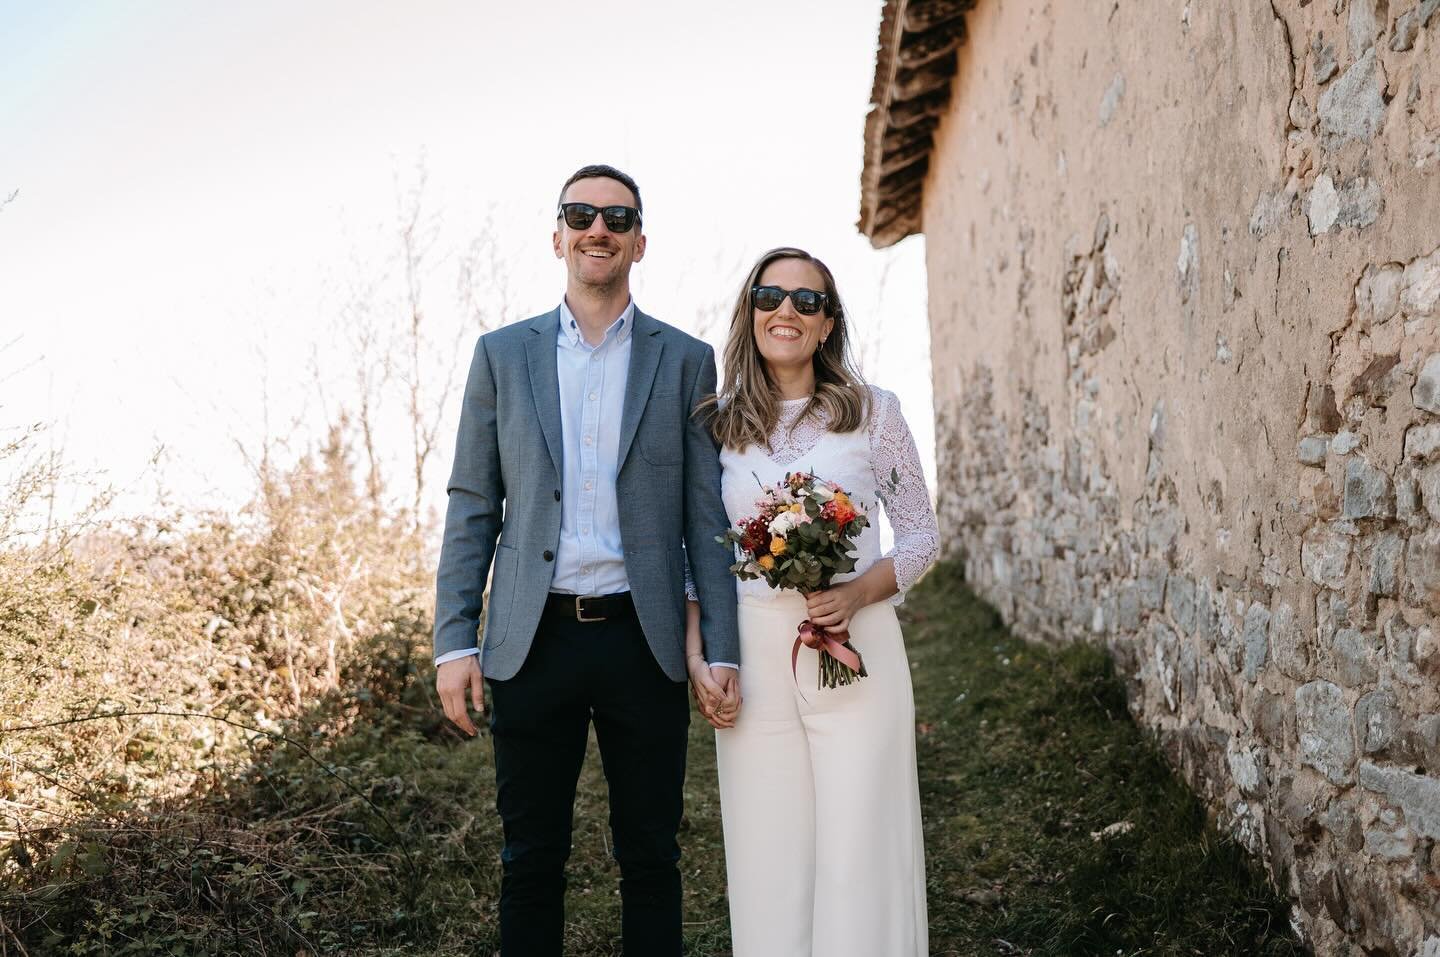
[(603, 290)]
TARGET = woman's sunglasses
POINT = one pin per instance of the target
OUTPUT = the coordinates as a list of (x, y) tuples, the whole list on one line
[(807, 302), (618, 219)]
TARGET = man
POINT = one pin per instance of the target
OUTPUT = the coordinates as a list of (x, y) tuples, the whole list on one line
[(581, 473)]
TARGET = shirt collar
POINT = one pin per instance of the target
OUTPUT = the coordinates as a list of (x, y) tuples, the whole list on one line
[(619, 330)]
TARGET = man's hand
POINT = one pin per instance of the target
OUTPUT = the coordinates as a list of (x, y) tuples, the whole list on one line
[(452, 679), (728, 680)]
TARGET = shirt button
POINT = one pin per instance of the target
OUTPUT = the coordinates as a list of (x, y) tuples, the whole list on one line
[(589, 486), (588, 440), (549, 555), (584, 531), (593, 397)]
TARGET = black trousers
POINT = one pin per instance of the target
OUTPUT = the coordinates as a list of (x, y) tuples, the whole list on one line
[(577, 672)]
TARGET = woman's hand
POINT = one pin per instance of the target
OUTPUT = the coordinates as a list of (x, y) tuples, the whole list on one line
[(709, 696), (833, 608)]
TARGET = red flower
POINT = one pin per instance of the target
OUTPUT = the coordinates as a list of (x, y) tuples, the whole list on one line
[(755, 536)]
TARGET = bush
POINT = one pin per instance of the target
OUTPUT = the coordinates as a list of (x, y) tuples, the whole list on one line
[(147, 665)]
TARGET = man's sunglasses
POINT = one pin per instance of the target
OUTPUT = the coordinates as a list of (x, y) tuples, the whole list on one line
[(618, 219), (807, 302)]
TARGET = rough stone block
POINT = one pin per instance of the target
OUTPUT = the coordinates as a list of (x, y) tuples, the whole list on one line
[(1312, 449), (1422, 568), (1378, 292), (1377, 719), (1390, 845), (1354, 651), (1420, 289), (1322, 61), (1255, 637), (1244, 766), (1385, 564), (1425, 393), (1326, 738), (1180, 603), (1354, 108), (1290, 647), (1325, 555), (1153, 574), (1165, 650), (1367, 491), (1423, 441), (1407, 502), (1407, 28), (1127, 608), (1268, 715), (1418, 795), (1344, 443)]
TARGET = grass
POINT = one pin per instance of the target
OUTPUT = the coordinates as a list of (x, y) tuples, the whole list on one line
[(1024, 752)]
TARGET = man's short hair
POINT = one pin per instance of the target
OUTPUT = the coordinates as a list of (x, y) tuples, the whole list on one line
[(608, 172)]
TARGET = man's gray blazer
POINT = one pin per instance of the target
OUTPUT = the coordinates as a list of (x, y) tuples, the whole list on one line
[(505, 497)]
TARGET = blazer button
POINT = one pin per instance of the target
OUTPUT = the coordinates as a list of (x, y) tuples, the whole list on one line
[(557, 495), (549, 555)]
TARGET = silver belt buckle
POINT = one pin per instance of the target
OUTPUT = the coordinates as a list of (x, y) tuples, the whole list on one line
[(580, 615)]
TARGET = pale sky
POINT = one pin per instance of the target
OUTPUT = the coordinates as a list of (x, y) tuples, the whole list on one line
[(203, 188)]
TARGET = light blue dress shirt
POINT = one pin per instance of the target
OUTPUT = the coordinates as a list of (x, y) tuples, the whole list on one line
[(590, 559)]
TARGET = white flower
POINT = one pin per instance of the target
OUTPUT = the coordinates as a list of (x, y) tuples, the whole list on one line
[(783, 522), (822, 492), (754, 568)]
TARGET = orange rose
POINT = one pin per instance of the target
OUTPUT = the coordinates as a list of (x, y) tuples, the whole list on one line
[(777, 546), (766, 562)]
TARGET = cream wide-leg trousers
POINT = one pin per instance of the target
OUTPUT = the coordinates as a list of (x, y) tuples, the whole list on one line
[(819, 797)]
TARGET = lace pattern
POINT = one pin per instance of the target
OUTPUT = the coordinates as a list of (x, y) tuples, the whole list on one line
[(899, 477), (899, 480)]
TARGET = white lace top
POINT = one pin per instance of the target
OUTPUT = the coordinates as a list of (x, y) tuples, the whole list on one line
[(878, 465)]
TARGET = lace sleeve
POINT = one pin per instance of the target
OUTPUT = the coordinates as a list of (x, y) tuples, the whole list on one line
[(901, 483), (690, 593)]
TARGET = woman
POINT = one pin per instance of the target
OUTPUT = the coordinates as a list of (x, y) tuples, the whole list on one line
[(819, 797)]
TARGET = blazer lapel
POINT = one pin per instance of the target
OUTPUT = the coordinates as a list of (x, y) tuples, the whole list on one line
[(645, 349), (545, 382)]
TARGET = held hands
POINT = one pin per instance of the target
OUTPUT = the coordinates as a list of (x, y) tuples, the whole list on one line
[(716, 690), (834, 607), (452, 680)]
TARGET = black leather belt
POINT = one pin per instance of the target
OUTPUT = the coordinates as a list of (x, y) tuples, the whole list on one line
[(589, 607)]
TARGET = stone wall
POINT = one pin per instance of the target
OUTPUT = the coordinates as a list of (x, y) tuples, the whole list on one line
[(1184, 264)]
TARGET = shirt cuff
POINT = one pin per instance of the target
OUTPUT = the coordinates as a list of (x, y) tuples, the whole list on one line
[(724, 664), (456, 655)]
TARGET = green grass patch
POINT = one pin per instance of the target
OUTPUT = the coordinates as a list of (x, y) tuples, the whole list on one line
[(1024, 752)]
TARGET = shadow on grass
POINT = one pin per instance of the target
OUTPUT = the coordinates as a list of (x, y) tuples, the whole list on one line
[(1024, 752)]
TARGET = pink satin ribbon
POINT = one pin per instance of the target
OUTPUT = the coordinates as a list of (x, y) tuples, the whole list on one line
[(825, 642)]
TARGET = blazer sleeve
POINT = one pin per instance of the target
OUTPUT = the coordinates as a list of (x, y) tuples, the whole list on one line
[(473, 515), (705, 519)]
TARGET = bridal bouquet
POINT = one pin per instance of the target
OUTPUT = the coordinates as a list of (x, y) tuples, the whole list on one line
[(801, 538)]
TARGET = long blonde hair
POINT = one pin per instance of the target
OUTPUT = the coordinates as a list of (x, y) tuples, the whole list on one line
[(747, 408)]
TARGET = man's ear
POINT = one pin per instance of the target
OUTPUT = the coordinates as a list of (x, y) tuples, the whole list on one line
[(639, 248), (555, 241)]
